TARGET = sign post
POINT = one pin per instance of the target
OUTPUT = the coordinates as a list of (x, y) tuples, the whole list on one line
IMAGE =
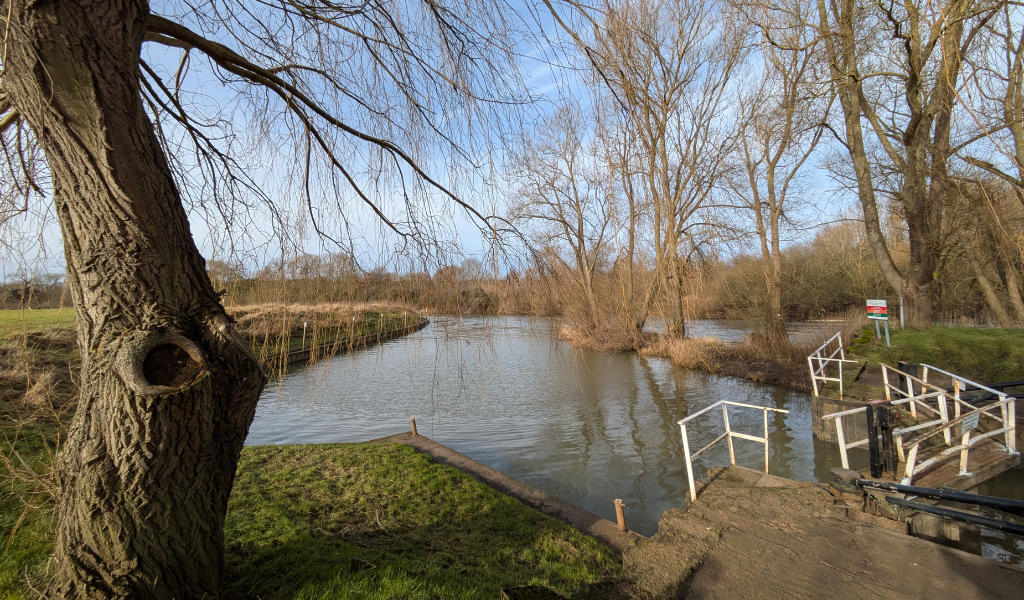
[(878, 311)]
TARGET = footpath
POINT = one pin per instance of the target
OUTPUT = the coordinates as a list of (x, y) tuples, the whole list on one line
[(752, 535)]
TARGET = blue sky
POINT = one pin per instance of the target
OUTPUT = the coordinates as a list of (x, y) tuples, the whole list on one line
[(255, 237)]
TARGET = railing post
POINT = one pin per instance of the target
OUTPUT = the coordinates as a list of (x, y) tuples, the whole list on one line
[(841, 436), (966, 441), (689, 465), (956, 398), (911, 459), (1011, 416), (1008, 423), (765, 412), (728, 431), (842, 357), (620, 516), (885, 381), (944, 413), (814, 377), (840, 379)]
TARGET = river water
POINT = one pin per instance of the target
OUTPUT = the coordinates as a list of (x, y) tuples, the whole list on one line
[(584, 426)]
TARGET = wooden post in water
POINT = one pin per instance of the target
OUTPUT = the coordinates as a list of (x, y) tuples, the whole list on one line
[(413, 421), (619, 515)]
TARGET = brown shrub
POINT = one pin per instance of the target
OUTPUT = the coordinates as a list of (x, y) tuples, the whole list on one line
[(601, 339)]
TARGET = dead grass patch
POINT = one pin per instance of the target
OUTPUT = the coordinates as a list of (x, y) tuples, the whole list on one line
[(602, 339), (752, 359)]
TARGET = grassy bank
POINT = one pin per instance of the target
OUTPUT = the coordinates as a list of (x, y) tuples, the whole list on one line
[(273, 328), (353, 521), (270, 328), (384, 521), (982, 355)]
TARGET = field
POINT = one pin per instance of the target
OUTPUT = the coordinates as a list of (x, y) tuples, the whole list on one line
[(35, 320)]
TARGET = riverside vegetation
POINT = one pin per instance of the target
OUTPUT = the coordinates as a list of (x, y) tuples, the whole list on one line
[(340, 521)]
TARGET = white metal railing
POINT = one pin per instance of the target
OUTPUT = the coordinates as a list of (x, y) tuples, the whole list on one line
[(825, 356), (961, 384), (968, 438), (933, 401), (728, 436)]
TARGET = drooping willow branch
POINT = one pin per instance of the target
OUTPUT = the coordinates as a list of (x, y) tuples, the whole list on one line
[(305, 108)]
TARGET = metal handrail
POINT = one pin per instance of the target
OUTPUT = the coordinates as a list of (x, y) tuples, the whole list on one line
[(1006, 421), (728, 435), (819, 356), (963, 380), (967, 440)]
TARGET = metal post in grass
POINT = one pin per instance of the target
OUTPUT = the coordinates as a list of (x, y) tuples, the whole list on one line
[(878, 311), (620, 516)]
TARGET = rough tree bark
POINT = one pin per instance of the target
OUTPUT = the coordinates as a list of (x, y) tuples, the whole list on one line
[(168, 390)]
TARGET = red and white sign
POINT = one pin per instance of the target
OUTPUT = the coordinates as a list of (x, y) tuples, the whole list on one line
[(877, 309)]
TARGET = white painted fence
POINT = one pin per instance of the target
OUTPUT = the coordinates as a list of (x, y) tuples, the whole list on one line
[(729, 435), (933, 402), (832, 352)]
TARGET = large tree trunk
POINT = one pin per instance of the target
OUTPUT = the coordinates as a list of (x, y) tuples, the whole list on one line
[(168, 390), (776, 325), (673, 287), (989, 291)]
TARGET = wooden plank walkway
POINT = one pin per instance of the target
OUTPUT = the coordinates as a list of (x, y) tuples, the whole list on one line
[(985, 461)]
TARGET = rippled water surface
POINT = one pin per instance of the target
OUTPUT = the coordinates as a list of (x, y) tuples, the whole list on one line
[(584, 426)]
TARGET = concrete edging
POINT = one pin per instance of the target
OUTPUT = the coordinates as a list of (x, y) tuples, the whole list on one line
[(602, 530)]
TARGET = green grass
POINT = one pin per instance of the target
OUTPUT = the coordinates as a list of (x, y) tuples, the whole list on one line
[(30, 422), (26, 527), (385, 521), (37, 319), (982, 355)]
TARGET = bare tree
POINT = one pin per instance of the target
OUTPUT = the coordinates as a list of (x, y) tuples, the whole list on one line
[(989, 219), (897, 67), (567, 197), (994, 147), (168, 389), (781, 120), (668, 64), (623, 161), (997, 73)]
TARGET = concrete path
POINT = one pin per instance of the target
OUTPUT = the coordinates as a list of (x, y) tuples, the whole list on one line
[(750, 535)]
